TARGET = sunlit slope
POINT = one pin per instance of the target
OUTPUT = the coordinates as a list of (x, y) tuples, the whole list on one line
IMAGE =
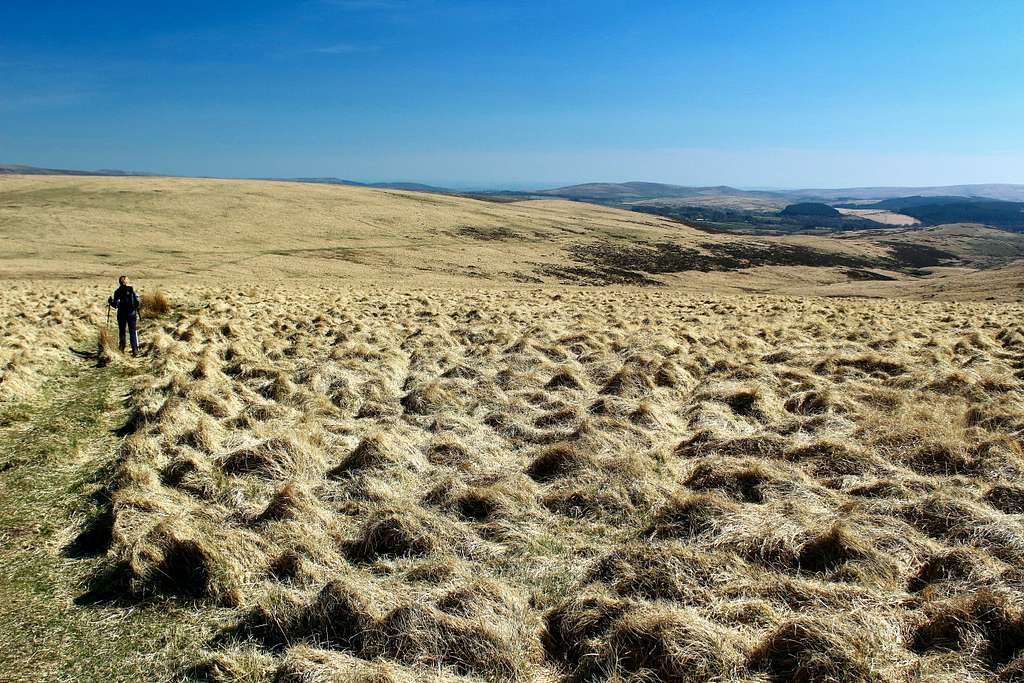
[(182, 230), (175, 228)]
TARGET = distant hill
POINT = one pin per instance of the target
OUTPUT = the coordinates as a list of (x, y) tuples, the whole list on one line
[(945, 210), (810, 209), (1001, 191), (642, 191), (898, 203), (942, 210), (621, 192), (412, 187), (274, 231), (322, 181), (20, 169), (721, 196)]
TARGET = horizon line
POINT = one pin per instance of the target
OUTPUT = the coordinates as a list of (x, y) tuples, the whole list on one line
[(467, 186)]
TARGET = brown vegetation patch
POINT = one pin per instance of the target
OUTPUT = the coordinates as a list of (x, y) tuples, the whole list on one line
[(560, 460), (691, 516), (812, 650), (395, 534), (154, 304), (748, 483), (989, 624), (1008, 498)]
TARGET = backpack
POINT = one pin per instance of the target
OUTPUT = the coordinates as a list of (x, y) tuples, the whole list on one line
[(128, 301)]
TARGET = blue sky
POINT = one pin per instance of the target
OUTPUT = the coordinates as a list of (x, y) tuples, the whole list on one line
[(755, 94)]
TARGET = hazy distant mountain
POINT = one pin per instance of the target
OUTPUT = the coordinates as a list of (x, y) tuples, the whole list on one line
[(20, 169), (412, 187), (622, 192), (638, 191), (946, 210), (900, 203), (1003, 191), (635, 192), (415, 187), (330, 180)]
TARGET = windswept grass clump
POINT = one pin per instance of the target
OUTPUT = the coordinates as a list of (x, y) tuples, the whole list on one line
[(808, 650), (154, 304), (106, 347)]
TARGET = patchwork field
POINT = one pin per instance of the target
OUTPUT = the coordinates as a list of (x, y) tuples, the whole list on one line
[(881, 216), (341, 479)]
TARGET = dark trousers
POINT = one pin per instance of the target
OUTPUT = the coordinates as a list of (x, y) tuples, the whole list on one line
[(129, 321)]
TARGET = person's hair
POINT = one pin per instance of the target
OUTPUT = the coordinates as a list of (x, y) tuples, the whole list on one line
[(123, 280)]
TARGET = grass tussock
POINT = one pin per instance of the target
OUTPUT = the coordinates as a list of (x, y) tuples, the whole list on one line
[(670, 645), (808, 650), (395, 534), (691, 516), (987, 625), (106, 347), (154, 304)]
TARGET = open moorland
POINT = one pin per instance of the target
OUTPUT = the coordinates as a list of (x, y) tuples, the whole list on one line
[(189, 231), (382, 436)]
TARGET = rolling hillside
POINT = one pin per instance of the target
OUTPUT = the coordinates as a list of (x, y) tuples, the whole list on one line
[(196, 230)]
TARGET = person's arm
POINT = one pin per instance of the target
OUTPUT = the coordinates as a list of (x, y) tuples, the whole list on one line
[(112, 301)]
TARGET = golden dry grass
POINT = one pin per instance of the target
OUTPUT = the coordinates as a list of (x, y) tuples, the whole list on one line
[(156, 303), (391, 482), (398, 484), (171, 231), (881, 216)]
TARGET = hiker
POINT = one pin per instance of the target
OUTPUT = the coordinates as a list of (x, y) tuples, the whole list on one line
[(126, 301)]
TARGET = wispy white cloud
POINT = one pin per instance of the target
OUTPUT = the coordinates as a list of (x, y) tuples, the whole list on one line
[(33, 101), (368, 5), (343, 49)]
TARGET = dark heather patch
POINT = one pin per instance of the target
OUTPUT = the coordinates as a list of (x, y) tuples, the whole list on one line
[(611, 263), (919, 255), (858, 274), (486, 233), (628, 263), (599, 275)]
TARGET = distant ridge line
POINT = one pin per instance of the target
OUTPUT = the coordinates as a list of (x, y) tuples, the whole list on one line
[(614, 192), (639, 191)]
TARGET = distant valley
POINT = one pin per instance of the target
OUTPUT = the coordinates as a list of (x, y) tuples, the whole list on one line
[(727, 209)]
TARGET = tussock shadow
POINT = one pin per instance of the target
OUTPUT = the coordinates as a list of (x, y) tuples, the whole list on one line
[(96, 536), (94, 539), (134, 423), (182, 579), (86, 355), (108, 586)]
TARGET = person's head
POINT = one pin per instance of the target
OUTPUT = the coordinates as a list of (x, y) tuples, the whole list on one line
[(123, 280)]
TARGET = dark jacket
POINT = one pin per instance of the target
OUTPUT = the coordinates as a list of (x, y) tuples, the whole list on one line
[(125, 300)]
